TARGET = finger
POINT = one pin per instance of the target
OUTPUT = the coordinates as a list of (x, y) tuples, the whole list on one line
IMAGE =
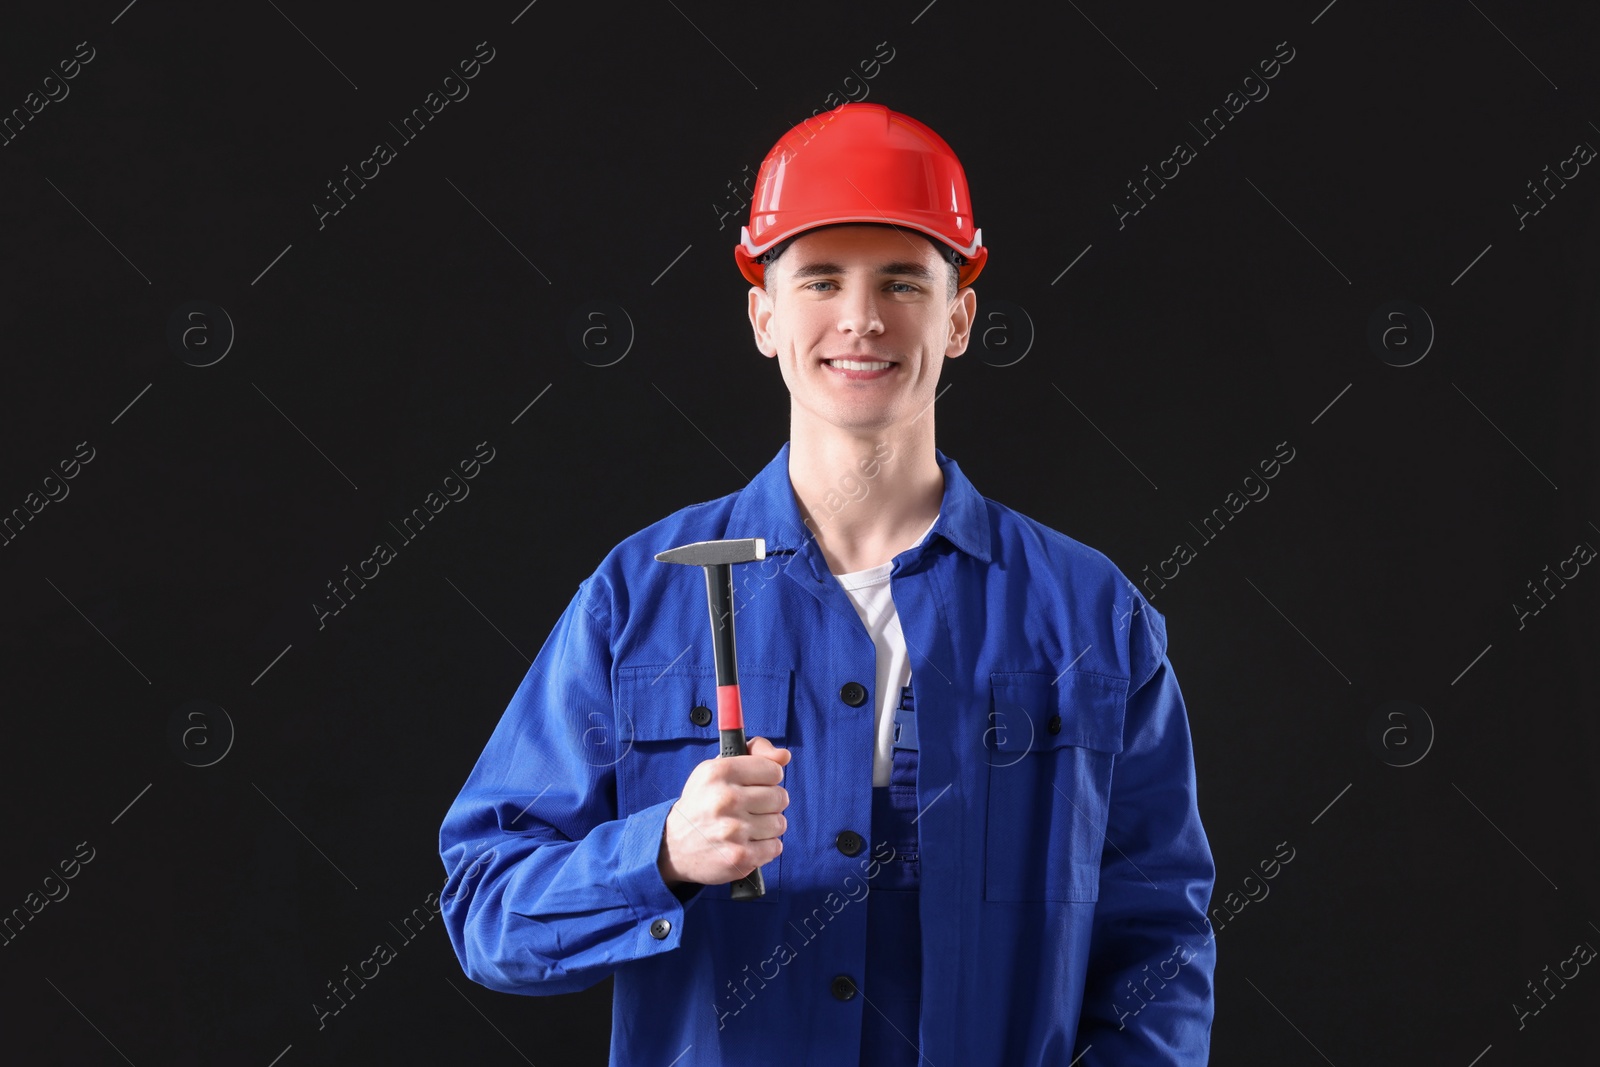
[(765, 799), (767, 827), (750, 770)]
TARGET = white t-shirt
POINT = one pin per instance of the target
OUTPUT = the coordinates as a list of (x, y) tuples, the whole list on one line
[(869, 592)]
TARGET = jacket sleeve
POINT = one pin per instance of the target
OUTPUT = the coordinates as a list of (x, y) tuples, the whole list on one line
[(547, 890), (1148, 993)]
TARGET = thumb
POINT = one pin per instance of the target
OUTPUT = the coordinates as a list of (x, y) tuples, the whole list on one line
[(760, 746)]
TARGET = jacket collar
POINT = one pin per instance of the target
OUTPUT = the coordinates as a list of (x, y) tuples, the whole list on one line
[(767, 508)]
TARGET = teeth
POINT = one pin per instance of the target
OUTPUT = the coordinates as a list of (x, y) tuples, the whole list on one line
[(855, 364)]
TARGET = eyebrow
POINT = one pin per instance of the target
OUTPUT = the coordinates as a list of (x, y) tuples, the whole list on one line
[(908, 268)]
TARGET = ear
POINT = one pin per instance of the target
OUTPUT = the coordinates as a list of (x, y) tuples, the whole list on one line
[(760, 310), (963, 312)]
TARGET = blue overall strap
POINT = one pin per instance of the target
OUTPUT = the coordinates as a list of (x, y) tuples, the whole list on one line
[(892, 987)]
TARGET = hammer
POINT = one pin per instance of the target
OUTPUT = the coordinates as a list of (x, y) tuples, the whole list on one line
[(718, 557)]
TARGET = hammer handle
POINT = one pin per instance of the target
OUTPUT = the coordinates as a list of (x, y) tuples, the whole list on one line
[(730, 713)]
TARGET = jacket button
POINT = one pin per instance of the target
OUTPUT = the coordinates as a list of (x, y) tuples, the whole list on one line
[(853, 693), (700, 715), (843, 987), (1054, 725), (660, 929), (849, 842)]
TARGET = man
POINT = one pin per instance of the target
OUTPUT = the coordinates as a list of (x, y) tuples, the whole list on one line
[(970, 788)]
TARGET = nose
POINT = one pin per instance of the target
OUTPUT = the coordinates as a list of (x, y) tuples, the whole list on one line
[(858, 311)]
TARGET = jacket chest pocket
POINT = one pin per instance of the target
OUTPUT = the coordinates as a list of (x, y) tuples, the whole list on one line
[(1051, 749), (667, 726)]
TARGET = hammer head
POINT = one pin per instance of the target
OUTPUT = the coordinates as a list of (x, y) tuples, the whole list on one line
[(707, 553)]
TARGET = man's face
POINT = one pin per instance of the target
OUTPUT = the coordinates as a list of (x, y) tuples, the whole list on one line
[(869, 294)]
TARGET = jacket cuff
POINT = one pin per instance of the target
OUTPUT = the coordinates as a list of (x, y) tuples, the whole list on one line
[(657, 909)]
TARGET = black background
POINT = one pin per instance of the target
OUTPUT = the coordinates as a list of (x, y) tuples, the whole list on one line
[(593, 161)]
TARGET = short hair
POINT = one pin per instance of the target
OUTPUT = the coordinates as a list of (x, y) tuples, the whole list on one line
[(776, 253)]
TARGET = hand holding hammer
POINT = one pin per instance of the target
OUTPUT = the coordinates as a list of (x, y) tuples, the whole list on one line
[(729, 819), (728, 823)]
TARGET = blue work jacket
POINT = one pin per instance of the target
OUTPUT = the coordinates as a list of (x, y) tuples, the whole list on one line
[(1065, 873)]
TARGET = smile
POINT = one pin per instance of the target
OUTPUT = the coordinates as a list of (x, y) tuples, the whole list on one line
[(860, 367)]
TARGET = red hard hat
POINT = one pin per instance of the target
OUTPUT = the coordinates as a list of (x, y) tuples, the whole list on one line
[(861, 163)]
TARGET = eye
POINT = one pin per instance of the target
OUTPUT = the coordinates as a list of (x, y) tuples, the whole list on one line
[(808, 286), (909, 287)]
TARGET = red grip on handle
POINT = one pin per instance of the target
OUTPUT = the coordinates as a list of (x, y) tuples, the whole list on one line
[(730, 715)]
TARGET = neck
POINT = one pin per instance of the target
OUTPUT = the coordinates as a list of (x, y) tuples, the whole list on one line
[(866, 496)]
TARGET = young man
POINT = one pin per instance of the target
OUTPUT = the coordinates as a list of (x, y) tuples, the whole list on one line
[(970, 788)]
